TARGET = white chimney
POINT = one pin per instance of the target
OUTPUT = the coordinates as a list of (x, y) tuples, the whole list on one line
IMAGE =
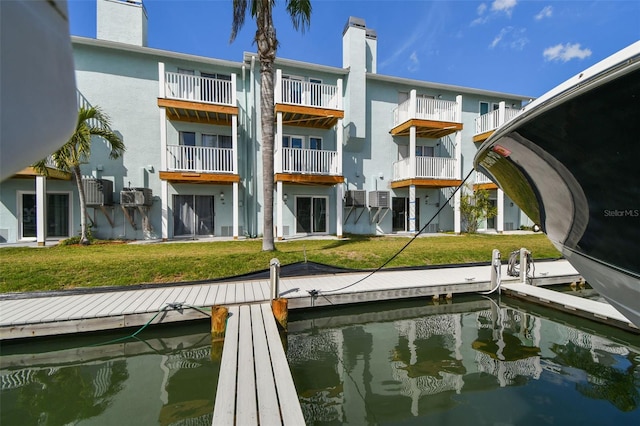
[(124, 21)]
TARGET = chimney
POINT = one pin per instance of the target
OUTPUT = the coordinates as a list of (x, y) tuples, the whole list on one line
[(124, 21), (359, 55)]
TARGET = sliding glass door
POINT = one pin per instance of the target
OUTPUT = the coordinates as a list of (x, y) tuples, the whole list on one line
[(58, 216), (193, 215), (311, 215)]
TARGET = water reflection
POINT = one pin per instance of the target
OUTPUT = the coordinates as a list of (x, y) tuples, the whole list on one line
[(166, 380), (471, 361)]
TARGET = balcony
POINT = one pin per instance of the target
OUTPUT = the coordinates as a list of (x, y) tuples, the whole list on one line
[(487, 123), (430, 172), (308, 104), (53, 172), (199, 164), (197, 99), (432, 118), (310, 166), (483, 182)]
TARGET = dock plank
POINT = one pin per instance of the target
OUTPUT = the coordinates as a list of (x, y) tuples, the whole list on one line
[(268, 410), (224, 409), (287, 394), (247, 411)]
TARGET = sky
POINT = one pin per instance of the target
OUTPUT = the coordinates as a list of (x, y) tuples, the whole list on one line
[(512, 46)]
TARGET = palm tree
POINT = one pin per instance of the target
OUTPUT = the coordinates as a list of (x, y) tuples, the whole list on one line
[(261, 12), (91, 122)]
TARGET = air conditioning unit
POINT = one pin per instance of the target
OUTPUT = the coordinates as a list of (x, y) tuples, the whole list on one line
[(355, 198), (379, 199), (98, 192), (134, 197)]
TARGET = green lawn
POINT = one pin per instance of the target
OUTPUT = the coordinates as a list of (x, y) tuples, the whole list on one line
[(65, 267)]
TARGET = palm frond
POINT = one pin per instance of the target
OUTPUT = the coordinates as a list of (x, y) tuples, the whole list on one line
[(300, 13), (239, 12), (116, 146)]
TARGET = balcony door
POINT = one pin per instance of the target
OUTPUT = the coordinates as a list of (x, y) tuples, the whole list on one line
[(400, 214), (311, 215), (193, 215), (58, 215)]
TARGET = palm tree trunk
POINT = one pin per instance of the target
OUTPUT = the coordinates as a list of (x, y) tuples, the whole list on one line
[(267, 43), (84, 240)]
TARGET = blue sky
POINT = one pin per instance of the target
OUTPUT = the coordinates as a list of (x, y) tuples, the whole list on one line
[(514, 46)]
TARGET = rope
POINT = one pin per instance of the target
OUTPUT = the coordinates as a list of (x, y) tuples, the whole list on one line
[(314, 292), (176, 306)]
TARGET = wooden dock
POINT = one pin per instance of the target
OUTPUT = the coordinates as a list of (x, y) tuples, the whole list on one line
[(25, 315), (255, 384), (585, 308)]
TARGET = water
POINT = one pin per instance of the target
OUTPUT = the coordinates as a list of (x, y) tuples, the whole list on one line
[(472, 362), (397, 363), (167, 379)]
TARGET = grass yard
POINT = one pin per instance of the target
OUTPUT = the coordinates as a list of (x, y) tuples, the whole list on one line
[(65, 267)]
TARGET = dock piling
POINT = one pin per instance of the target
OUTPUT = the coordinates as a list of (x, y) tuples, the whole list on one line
[(219, 316), (496, 271), (523, 264), (274, 275), (280, 308)]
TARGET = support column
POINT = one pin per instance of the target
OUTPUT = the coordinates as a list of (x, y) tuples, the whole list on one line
[(339, 208), (340, 186), (412, 209), (41, 210), (235, 207), (279, 210), (164, 185), (500, 216), (234, 145), (277, 144), (412, 152), (458, 173)]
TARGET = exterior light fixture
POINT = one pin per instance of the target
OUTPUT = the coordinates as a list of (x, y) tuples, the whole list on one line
[(222, 196), (285, 197), (426, 199)]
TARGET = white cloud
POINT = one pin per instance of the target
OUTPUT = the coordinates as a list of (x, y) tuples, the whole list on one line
[(546, 12), (511, 37), (505, 6), (414, 62), (497, 7), (565, 52)]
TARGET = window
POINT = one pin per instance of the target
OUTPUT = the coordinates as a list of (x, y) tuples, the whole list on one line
[(225, 77), (484, 107), (315, 143), (216, 141), (425, 151), (292, 89), (187, 138), (292, 141), (316, 91)]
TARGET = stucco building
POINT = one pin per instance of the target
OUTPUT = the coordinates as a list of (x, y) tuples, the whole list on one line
[(355, 151)]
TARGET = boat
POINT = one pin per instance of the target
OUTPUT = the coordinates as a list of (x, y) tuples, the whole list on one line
[(571, 161)]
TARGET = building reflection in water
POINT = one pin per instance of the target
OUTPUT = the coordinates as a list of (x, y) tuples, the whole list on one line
[(406, 363), (166, 381)]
